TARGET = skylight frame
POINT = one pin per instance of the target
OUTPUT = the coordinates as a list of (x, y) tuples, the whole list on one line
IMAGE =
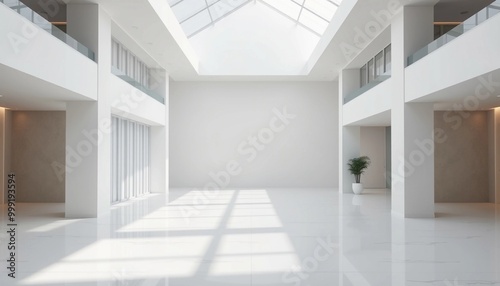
[(302, 8), (191, 27), (206, 9)]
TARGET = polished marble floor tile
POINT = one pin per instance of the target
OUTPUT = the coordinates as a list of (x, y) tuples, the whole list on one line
[(313, 237)]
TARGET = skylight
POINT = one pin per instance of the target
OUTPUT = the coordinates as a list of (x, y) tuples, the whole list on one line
[(197, 15), (314, 15)]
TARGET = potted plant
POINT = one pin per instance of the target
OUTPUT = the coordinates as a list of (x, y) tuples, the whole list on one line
[(357, 166)]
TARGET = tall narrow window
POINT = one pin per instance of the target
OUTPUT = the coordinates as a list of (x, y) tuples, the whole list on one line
[(129, 64), (387, 59), (114, 52), (130, 155), (379, 64), (371, 70), (363, 75)]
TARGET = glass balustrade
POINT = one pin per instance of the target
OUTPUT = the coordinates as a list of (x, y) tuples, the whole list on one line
[(137, 85), (366, 87), (459, 30), (41, 22)]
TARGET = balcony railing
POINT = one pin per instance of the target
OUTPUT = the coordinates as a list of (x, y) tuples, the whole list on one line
[(459, 30), (137, 85), (381, 78), (41, 22)]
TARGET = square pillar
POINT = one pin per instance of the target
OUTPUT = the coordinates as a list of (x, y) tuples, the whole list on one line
[(88, 124), (412, 124), (4, 168), (160, 147), (494, 157), (349, 136)]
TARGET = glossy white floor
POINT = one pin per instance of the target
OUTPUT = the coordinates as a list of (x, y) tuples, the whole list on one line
[(256, 237)]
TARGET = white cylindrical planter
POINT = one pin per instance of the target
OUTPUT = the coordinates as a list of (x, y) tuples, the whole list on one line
[(357, 188)]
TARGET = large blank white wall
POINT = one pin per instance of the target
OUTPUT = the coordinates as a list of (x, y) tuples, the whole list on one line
[(211, 124)]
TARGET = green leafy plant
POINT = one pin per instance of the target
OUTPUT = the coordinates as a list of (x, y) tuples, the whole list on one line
[(357, 166)]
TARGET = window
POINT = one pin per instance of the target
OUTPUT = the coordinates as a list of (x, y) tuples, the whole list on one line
[(129, 65), (376, 66), (387, 59), (197, 15), (379, 64), (363, 75), (130, 159), (371, 71)]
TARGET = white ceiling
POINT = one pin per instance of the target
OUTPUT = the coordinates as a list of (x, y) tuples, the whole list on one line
[(158, 38), (460, 96), (20, 88), (137, 19)]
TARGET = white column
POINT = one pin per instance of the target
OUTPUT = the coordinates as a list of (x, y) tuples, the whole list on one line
[(412, 123), (497, 156), (494, 158), (88, 124), (159, 147), (349, 136), (3, 152)]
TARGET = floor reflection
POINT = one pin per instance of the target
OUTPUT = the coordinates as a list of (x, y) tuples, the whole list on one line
[(257, 237)]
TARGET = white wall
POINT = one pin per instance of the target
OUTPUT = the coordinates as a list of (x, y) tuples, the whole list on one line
[(211, 123), (32, 50), (441, 69), (129, 102), (373, 145), (370, 103)]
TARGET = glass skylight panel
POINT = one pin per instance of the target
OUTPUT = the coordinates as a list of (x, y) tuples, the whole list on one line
[(313, 22), (196, 15), (173, 2), (188, 8), (287, 7), (219, 9), (322, 8), (197, 22), (314, 15)]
